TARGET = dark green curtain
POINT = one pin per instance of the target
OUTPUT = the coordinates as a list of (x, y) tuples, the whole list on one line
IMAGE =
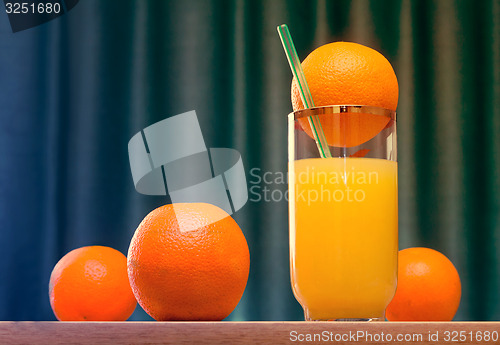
[(76, 89)]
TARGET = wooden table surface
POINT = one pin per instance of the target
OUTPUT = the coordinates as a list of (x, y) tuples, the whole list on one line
[(238, 333)]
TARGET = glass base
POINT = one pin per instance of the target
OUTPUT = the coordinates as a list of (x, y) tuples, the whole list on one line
[(347, 319), (357, 319)]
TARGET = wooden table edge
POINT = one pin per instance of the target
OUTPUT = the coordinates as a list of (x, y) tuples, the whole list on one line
[(253, 332)]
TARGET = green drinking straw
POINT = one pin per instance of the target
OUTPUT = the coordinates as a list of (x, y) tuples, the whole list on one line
[(305, 93)]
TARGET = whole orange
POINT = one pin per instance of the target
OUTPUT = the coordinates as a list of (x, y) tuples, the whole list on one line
[(429, 287), (188, 262), (345, 73), (91, 284)]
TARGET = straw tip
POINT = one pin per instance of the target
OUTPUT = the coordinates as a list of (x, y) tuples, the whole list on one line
[(282, 26)]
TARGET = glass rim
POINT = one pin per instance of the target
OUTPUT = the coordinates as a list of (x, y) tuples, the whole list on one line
[(338, 109)]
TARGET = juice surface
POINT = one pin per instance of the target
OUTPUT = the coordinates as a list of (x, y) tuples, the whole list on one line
[(343, 236)]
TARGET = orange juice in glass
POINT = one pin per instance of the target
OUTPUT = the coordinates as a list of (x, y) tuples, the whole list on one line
[(344, 215)]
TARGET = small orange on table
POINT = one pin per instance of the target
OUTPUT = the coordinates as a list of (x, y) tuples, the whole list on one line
[(91, 284), (188, 261), (428, 289), (345, 73)]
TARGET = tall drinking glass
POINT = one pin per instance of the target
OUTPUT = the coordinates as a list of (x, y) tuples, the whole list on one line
[(344, 213)]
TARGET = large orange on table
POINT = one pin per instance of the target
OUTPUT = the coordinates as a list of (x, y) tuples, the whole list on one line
[(345, 73), (429, 287), (188, 262), (91, 284)]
